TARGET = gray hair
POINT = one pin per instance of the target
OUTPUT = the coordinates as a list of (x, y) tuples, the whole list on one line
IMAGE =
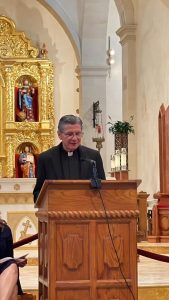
[(69, 120)]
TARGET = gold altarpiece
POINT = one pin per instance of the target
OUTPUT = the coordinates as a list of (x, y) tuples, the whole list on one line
[(20, 61)]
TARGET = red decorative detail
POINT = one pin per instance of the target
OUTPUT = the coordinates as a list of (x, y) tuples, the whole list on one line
[(163, 206)]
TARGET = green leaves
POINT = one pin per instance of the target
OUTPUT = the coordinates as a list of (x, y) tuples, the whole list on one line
[(121, 126)]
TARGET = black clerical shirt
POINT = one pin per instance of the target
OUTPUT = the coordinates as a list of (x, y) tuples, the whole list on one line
[(70, 163)]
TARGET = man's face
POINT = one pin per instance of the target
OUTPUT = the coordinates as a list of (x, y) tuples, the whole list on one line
[(71, 136)]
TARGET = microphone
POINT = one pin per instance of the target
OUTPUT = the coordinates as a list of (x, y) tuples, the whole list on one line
[(95, 181)]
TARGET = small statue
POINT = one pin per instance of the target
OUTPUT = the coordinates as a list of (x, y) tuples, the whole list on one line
[(27, 162), (26, 93), (43, 51)]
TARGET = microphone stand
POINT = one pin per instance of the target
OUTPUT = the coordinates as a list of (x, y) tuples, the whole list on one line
[(95, 181)]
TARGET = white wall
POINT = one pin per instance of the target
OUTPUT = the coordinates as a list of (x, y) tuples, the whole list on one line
[(152, 86)]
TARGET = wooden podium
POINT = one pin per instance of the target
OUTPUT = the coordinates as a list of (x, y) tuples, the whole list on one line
[(77, 256)]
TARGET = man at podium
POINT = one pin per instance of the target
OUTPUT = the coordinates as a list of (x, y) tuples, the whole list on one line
[(69, 160)]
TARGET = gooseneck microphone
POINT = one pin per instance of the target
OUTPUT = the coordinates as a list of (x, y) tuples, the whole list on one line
[(95, 181)]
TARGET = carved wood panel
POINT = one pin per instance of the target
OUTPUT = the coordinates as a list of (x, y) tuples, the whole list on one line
[(108, 266), (72, 245)]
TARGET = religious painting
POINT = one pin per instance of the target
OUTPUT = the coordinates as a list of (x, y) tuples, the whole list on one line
[(26, 99)]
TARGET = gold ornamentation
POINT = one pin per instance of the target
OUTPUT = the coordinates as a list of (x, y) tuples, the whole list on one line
[(18, 61), (16, 198), (14, 44)]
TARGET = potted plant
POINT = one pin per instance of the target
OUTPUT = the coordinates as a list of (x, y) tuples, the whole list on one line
[(122, 127)]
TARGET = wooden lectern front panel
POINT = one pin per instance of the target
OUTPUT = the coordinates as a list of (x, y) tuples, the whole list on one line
[(79, 258), (88, 260)]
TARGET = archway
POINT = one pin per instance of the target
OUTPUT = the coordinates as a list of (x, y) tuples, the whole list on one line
[(57, 11)]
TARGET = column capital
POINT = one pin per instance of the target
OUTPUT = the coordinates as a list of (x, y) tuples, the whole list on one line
[(92, 71), (126, 33)]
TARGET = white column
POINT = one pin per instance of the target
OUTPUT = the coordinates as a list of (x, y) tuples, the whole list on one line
[(127, 36)]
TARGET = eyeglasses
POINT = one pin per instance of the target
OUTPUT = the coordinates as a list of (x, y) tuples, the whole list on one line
[(72, 134)]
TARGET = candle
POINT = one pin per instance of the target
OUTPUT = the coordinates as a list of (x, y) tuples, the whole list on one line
[(123, 159), (112, 162), (117, 160)]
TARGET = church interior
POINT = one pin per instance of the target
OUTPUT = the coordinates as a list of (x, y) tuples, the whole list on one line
[(105, 61)]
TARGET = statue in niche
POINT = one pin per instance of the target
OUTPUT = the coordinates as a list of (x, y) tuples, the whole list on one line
[(25, 101), (27, 163), (26, 93)]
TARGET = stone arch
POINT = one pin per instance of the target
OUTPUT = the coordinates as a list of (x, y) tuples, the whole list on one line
[(126, 11), (57, 11)]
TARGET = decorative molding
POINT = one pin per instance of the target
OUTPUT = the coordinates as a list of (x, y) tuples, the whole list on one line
[(92, 71), (115, 214), (127, 33), (16, 185), (22, 198)]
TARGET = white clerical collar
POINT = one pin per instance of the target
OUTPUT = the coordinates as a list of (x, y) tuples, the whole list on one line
[(70, 153)]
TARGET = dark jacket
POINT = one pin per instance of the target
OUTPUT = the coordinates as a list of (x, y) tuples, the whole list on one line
[(6, 248), (49, 165), (6, 242)]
